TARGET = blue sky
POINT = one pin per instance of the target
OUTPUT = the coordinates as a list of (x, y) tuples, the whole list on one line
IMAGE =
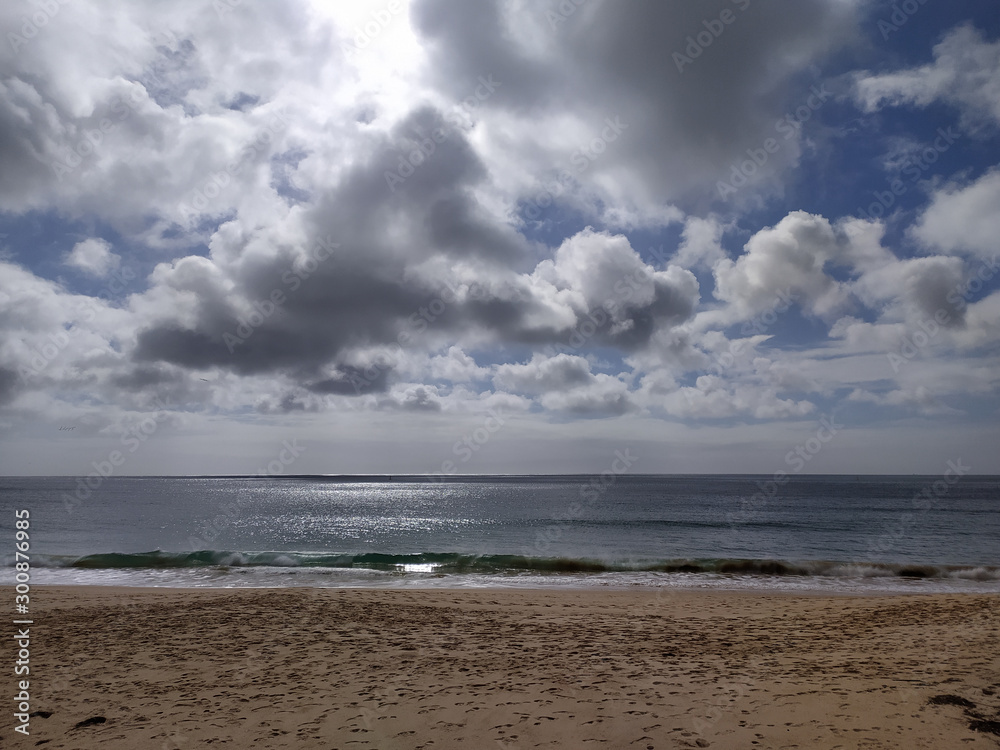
[(379, 229)]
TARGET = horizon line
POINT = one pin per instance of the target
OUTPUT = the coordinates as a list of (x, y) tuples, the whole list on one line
[(446, 477)]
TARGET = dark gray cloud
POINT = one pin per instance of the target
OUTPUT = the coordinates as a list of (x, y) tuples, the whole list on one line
[(410, 180), (8, 384), (24, 141), (417, 182), (564, 383), (407, 212), (685, 126), (364, 292), (357, 294), (142, 377), (353, 381), (417, 399)]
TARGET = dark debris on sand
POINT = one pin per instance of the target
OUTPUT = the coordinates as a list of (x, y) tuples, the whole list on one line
[(90, 722), (977, 722), (985, 725), (951, 700)]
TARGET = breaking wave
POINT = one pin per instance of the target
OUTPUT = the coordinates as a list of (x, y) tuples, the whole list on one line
[(445, 563)]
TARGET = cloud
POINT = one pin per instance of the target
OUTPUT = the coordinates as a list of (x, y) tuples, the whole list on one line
[(965, 74), (456, 367), (920, 398), (613, 291), (93, 257), (618, 61), (915, 289), (57, 340), (8, 381), (130, 119), (712, 398), (542, 375), (700, 243), (606, 395), (449, 217), (565, 383), (784, 261), (418, 398), (963, 218)]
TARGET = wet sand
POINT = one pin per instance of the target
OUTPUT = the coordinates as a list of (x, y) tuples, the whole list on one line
[(175, 669)]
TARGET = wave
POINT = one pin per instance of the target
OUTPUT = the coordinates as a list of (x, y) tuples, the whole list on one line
[(445, 563)]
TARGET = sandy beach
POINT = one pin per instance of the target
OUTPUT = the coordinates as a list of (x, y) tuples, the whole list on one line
[(361, 668)]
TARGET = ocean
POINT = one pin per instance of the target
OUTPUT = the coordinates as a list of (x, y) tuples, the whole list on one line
[(845, 534)]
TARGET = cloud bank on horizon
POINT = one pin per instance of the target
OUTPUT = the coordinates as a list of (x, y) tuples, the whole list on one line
[(499, 236)]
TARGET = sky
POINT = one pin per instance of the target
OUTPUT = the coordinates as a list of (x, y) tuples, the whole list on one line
[(501, 236)]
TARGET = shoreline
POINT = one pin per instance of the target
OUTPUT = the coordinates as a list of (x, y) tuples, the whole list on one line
[(639, 590), (234, 578), (448, 668)]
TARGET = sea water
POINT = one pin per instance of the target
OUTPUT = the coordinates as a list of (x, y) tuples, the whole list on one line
[(819, 533)]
